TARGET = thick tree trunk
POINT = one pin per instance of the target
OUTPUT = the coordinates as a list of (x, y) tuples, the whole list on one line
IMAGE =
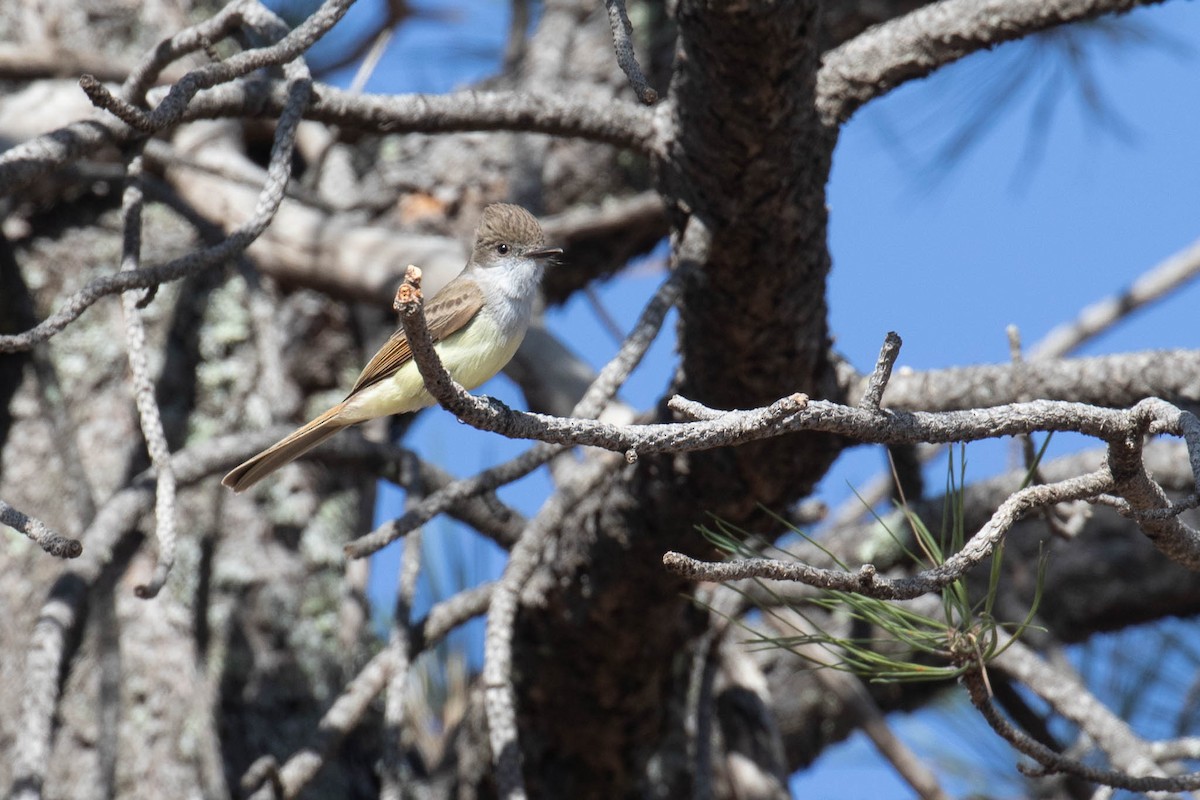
[(606, 654)]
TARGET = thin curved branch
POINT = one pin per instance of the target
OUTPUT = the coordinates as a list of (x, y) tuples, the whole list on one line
[(198, 37), (440, 501), (216, 91), (724, 428), (25, 163), (1054, 762), (21, 165), (178, 98), (481, 509), (1124, 474), (149, 414), (299, 91), (1145, 497), (912, 46), (1166, 459), (1067, 694)]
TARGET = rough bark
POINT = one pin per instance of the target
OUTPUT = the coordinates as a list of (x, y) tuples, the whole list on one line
[(748, 156)]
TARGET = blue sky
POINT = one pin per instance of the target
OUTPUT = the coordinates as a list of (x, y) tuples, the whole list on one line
[(947, 255)]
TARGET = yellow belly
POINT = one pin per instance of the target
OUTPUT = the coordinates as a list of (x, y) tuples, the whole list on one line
[(472, 356)]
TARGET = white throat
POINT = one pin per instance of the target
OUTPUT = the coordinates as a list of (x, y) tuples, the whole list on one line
[(509, 289)]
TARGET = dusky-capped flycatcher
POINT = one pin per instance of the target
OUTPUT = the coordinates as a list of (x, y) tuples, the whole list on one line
[(477, 321)]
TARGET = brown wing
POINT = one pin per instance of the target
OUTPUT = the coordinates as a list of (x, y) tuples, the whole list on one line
[(452, 307)]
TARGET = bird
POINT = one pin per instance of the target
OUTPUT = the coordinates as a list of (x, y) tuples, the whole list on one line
[(476, 321)]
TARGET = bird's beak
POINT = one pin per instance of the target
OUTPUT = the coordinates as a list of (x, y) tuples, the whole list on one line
[(545, 252)]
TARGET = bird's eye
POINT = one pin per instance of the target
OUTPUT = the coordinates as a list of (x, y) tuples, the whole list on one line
[(502, 249)]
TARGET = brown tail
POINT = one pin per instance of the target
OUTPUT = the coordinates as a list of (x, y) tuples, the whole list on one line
[(285, 450)]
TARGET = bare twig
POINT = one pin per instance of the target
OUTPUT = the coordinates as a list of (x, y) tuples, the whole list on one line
[(1124, 474), (449, 496), (888, 354), (1013, 334), (602, 314), (617, 123), (1125, 508), (371, 60), (622, 31), (49, 540), (25, 163), (480, 508), (1149, 287), (395, 12), (1132, 482), (1183, 748)]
